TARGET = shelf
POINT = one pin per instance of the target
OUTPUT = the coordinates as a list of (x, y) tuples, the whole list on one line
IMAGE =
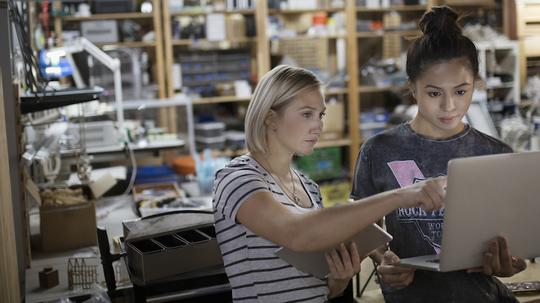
[(202, 13), (187, 42), (220, 99), (333, 143), (139, 146), (33, 102), (306, 37), (305, 11), (108, 17), (157, 103), (401, 8), (381, 33), (127, 44), (374, 89)]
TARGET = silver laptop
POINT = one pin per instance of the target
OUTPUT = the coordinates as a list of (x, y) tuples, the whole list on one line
[(487, 196)]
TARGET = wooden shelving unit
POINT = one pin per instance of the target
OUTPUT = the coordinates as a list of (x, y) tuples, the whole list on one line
[(202, 13), (376, 39), (116, 16), (156, 45), (349, 93), (172, 46), (260, 61)]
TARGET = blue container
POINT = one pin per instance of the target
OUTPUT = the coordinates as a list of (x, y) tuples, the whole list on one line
[(154, 174)]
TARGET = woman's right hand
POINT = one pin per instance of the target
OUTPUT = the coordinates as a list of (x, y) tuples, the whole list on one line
[(428, 194), (391, 274)]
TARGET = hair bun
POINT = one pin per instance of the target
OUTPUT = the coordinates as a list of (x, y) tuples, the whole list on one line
[(441, 20)]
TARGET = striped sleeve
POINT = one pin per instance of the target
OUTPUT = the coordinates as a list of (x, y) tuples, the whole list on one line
[(233, 186)]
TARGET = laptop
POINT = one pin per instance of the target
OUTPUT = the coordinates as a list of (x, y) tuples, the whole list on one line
[(314, 263), (487, 196)]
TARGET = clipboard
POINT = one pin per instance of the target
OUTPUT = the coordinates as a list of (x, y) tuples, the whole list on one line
[(314, 262)]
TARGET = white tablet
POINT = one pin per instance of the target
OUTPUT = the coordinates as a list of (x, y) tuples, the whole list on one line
[(314, 262)]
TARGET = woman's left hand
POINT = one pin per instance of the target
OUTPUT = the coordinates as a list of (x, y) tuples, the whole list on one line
[(499, 262), (343, 262)]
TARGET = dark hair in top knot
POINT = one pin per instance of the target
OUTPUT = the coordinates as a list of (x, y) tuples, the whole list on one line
[(441, 41), (440, 20)]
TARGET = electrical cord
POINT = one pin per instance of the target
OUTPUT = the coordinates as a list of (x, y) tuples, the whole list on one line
[(133, 168), (33, 79)]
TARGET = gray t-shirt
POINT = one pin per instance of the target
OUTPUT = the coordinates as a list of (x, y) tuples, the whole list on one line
[(399, 157), (255, 272)]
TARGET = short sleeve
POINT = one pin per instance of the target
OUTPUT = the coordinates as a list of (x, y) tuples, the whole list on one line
[(233, 186), (362, 185)]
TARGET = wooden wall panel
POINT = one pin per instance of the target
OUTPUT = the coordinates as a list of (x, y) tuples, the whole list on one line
[(9, 276)]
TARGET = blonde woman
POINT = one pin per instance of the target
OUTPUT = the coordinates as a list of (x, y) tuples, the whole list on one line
[(262, 203)]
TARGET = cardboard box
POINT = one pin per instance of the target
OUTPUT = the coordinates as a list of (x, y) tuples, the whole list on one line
[(333, 123), (68, 227)]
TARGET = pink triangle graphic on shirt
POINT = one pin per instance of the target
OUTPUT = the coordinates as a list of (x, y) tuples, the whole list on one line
[(406, 172)]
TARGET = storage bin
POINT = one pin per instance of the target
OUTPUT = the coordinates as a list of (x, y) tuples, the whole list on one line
[(192, 248), (323, 163), (154, 174), (209, 129), (210, 142), (235, 140)]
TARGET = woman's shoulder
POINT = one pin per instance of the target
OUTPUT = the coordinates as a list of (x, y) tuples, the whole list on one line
[(239, 165)]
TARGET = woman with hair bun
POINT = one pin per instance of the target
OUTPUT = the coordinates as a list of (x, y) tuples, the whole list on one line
[(442, 67)]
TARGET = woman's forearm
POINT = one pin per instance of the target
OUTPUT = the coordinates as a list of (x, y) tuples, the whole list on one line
[(327, 228)]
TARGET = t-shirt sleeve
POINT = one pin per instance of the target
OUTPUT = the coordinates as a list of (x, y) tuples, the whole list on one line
[(362, 185), (235, 185)]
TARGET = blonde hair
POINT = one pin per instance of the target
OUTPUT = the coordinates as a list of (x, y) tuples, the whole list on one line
[(275, 91)]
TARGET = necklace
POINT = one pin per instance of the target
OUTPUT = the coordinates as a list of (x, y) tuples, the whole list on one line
[(293, 196)]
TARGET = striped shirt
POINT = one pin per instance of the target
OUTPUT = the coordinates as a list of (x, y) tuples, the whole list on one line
[(256, 274)]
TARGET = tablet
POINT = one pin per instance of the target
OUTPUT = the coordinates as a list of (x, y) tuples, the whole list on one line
[(314, 262)]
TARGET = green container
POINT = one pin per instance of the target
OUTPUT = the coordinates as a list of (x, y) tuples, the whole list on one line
[(322, 164)]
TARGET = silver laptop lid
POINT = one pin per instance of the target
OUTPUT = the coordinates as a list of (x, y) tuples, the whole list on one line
[(488, 196)]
